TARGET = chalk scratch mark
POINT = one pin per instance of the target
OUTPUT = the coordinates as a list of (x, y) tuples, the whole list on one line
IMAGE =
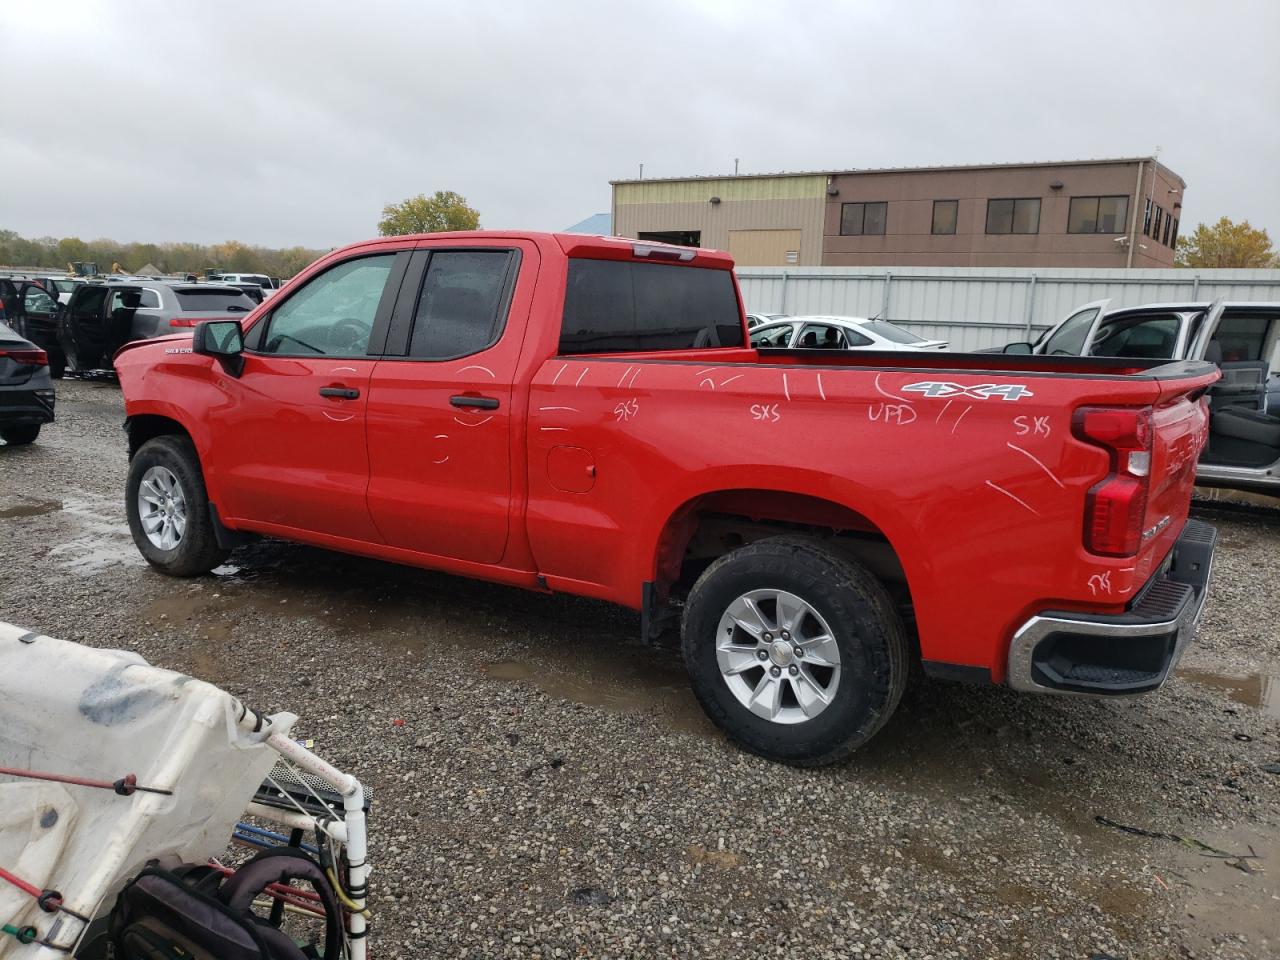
[(443, 459), (558, 372), (1016, 499), (885, 393), (573, 409), (634, 377), (938, 418), (726, 382), (961, 417), (822, 393), (578, 382), (550, 429), (1034, 459), (707, 382), (468, 423), (476, 366), (625, 375), (338, 419), (344, 370), (785, 387), (703, 373)]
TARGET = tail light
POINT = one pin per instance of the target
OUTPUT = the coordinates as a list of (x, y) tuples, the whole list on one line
[(185, 321), (28, 358), (1116, 507)]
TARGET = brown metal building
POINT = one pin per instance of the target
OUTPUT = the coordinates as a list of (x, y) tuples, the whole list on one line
[(1079, 213)]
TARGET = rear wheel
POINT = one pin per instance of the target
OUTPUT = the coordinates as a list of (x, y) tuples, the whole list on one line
[(20, 436), (795, 650), (168, 508)]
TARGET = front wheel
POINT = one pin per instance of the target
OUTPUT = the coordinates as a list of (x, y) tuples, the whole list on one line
[(168, 508), (795, 650)]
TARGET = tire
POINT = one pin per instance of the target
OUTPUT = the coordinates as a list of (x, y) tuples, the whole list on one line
[(176, 491), (20, 436), (839, 598)]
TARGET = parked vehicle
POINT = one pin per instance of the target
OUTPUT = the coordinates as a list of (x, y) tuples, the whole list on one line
[(26, 390), (755, 319), (584, 415), (1241, 337), (32, 312), (102, 317), (265, 284), (839, 333)]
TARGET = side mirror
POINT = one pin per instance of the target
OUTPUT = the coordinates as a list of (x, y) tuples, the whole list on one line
[(222, 340), (1017, 348)]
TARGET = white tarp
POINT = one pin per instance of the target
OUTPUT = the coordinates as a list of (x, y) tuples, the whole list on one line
[(102, 714)]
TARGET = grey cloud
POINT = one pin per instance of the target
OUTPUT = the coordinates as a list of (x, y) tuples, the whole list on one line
[(292, 123)]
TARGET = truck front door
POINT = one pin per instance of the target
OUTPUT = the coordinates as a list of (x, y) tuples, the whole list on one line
[(441, 401), (291, 444)]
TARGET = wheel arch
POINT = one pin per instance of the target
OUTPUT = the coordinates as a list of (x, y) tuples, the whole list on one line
[(720, 517)]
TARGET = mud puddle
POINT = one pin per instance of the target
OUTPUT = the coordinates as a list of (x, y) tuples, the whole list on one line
[(103, 538), (1260, 690), (1228, 897), (30, 508)]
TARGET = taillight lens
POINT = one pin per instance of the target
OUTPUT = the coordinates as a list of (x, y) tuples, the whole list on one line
[(183, 321), (1116, 507), (28, 358)]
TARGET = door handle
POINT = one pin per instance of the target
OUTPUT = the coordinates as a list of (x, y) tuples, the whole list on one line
[(342, 393), (480, 403)]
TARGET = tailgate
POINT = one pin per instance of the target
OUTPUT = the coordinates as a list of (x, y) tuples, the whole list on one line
[(1180, 429)]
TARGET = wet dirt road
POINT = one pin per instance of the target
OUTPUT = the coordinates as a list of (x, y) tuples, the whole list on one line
[(554, 789)]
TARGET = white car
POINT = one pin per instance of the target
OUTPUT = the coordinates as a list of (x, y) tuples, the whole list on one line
[(839, 333)]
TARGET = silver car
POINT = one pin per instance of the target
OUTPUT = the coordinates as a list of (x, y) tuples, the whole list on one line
[(103, 317)]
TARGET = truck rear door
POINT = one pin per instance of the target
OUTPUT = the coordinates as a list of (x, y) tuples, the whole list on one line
[(441, 409)]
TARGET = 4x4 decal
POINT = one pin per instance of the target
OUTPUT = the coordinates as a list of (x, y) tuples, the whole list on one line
[(981, 391)]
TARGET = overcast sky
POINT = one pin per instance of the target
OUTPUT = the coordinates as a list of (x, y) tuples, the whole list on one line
[(284, 123)]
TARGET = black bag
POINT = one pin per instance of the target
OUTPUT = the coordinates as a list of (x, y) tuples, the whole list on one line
[(194, 913)]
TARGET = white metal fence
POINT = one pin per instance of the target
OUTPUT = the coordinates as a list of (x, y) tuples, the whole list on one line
[(977, 307)]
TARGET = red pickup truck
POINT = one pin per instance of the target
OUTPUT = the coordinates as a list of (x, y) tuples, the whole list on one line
[(583, 414)]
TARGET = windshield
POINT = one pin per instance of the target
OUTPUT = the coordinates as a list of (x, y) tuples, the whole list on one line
[(892, 332)]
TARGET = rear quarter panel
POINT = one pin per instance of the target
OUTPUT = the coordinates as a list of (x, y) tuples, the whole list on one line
[(982, 498)]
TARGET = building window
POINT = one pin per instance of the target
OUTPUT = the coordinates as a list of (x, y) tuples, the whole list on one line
[(1020, 215), (863, 219), (1146, 220), (1173, 234), (1156, 223), (944, 216), (1168, 223), (1098, 215)]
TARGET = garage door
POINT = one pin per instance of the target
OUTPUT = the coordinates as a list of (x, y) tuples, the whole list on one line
[(764, 248)]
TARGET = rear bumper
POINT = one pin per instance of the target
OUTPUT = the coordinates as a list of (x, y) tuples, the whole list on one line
[(1118, 654), (26, 406)]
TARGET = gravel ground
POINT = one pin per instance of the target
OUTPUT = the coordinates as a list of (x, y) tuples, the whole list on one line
[(547, 787)]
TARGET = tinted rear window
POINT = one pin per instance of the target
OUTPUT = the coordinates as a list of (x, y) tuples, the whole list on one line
[(614, 305), (219, 300), (891, 332)]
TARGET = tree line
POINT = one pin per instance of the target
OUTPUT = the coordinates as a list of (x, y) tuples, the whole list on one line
[(232, 256)]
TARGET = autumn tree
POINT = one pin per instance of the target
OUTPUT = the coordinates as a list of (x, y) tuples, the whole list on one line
[(1226, 244), (443, 210)]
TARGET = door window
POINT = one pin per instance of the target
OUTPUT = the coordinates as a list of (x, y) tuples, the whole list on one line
[(462, 307), (38, 302), (821, 336), (1241, 337), (778, 336), (1069, 338), (332, 314), (1153, 337)]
